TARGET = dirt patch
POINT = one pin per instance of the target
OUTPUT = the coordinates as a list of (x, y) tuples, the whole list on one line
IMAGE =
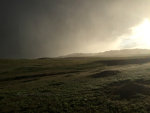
[(106, 73), (129, 89)]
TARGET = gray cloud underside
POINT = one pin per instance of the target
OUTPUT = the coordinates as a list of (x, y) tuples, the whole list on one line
[(38, 28)]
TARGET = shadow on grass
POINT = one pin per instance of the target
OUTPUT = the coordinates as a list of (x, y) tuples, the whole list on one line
[(30, 80), (129, 89), (122, 62), (35, 76), (56, 83), (105, 73)]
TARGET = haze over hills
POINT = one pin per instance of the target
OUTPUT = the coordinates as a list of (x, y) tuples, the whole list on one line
[(113, 53)]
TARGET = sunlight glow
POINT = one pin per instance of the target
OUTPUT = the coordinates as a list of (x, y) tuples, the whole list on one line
[(141, 34)]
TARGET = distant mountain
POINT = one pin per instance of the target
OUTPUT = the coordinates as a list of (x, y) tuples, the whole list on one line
[(114, 53)]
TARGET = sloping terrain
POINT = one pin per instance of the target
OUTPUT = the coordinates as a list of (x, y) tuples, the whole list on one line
[(114, 53), (71, 85)]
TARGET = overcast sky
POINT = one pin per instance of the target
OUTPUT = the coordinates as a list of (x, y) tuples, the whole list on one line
[(48, 28)]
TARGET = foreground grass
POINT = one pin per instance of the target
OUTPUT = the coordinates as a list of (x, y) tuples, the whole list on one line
[(83, 85)]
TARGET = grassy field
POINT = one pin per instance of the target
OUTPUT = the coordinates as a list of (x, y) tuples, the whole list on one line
[(75, 85)]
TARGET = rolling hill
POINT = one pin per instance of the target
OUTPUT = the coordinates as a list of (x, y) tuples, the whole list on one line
[(113, 53)]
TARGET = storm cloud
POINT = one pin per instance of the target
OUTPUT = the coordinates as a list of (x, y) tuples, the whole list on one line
[(48, 28)]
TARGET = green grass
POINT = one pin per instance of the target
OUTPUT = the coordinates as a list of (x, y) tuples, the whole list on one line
[(75, 85)]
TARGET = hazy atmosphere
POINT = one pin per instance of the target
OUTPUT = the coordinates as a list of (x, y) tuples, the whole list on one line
[(49, 28), (74, 56)]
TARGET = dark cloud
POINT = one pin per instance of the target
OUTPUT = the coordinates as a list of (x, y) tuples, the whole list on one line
[(38, 28)]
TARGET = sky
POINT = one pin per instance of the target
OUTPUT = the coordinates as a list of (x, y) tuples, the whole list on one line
[(50, 28)]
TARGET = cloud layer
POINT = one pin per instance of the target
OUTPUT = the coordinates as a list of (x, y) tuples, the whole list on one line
[(39, 28)]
